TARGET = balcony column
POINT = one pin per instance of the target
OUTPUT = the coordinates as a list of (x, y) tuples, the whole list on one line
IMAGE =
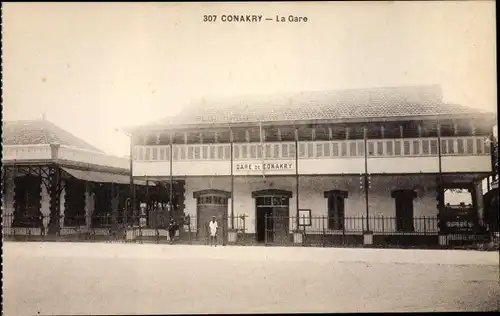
[(62, 203), (55, 199), (478, 205), (45, 197), (89, 205), (367, 234)]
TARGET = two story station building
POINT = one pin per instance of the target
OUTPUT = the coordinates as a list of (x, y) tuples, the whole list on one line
[(362, 163)]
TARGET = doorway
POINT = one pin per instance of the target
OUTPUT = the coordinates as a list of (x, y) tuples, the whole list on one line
[(272, 213), (211, 203), (404, 209)]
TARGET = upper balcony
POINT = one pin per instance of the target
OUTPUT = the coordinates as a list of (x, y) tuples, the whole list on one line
[(385, 156)]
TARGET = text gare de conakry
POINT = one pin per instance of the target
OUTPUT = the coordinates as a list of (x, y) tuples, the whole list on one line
[(264, 166)]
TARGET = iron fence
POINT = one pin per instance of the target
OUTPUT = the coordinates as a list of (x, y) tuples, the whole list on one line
[(114, 228), (319, 231)]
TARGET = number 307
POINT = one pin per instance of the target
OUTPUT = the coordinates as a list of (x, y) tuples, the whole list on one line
[(209, 18)]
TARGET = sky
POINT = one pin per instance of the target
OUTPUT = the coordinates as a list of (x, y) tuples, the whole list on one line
[(94, 67)]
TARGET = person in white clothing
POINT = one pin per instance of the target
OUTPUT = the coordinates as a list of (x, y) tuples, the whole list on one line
[(213, 226)]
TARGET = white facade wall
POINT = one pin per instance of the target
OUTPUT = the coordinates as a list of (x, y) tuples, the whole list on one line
[(312, 188)]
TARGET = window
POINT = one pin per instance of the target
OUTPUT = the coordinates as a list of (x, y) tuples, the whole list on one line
[(470, 146), (460, 148), (326, 150), (259, 151), (344, 149), (336, 211), (335, 147), (406, 147), (319, 150), (310, 150), (397, 148), (352, 149), (451, 146), (479, 146), (425, 147), (284, 149), (276, 151), (389, 148), (227, 152), (244, 151), (236, 149), (302, 150), (253, 151), (371, 149), (361, 148), (434, 147), (380, 149), (416, 147), (268, 151)]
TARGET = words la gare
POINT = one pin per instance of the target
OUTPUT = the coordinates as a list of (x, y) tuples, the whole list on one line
[(291, 18)]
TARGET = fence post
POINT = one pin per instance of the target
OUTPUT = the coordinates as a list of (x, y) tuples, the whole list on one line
[(303, 230), (244, 227), (383, 225), (224, 229), (324, 230), (265, 229), (425, 226)]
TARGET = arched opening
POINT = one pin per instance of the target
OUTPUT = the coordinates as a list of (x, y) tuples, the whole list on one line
[(27, 202), (210, 203), (272, 213)]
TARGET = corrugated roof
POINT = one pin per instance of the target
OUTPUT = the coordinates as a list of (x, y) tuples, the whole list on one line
[(40, 132), (320, 105)]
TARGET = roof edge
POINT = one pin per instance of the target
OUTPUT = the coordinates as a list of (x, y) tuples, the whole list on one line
[(151, 127)]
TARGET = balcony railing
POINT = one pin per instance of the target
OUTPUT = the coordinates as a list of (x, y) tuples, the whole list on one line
[(403, 147)]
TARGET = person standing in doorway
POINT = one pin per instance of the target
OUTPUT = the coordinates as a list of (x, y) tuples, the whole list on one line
[(213, 227)]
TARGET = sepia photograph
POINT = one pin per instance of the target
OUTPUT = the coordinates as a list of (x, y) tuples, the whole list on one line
[(249, 157)]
